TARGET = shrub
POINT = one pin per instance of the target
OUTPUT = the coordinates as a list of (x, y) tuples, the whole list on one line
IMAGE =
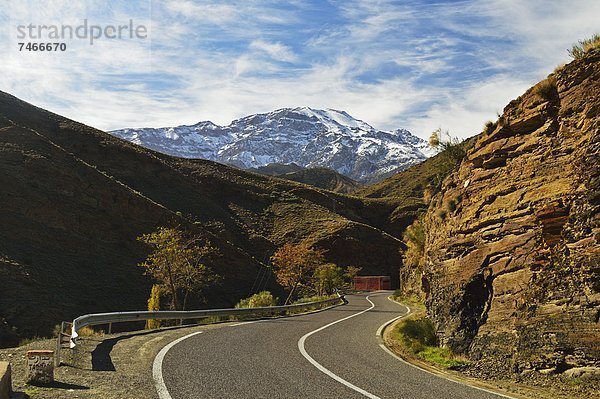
[(87, 331), (584, 46), (419, 330), (154, 305), (451, 152), (260, 300), (418, 338), (414, 259), (489, 127), (546, 89), (414, 236)]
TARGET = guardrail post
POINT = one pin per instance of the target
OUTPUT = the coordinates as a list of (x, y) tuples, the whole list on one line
[(62, 341)]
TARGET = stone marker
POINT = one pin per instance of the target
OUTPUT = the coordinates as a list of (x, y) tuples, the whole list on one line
[(5, 381), (40, 367)]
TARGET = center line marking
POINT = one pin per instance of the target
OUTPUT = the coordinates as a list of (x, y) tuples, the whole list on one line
[(324, 370)]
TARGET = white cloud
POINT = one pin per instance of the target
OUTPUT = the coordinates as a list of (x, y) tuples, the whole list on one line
[(219, 61), (277, 51), (211, 13), (464, 112)]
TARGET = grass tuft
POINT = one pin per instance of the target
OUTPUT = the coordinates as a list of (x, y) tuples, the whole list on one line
[(87, 331), (546, 89), (489, 127), (417, 338), (411, 300), (584, 46), (443, 357)]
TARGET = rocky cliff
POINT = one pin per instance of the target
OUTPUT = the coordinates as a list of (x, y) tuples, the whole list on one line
[(512, 251)]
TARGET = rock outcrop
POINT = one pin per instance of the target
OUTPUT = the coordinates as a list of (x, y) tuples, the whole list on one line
[(513, 253)]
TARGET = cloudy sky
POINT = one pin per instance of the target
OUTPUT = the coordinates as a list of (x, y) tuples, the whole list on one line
[(413, 64)]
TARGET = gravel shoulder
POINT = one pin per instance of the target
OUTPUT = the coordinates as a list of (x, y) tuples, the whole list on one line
[(532, 386), (112, 366)]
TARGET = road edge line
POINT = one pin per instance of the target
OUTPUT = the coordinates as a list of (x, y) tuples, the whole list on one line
[(157, 375), (383, 346), (159, 382)]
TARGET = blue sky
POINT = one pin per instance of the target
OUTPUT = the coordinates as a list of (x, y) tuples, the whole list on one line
[(413, 64)]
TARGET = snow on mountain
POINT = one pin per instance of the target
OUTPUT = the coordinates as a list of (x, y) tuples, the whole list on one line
[(305, 136)]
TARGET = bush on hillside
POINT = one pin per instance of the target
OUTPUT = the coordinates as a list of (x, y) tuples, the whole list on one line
[(584, 46), (451, 152), (546, 89), (260, 300)]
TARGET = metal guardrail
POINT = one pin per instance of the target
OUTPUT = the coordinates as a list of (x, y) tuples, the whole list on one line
[(118, 317)]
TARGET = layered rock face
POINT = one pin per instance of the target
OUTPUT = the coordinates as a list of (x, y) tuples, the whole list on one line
[(513, 254)]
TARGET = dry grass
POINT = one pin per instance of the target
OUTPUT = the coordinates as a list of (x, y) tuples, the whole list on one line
[(546, 89), (88, 331), (584, 46)]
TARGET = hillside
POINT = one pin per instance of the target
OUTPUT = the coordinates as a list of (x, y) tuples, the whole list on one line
[(513, 239), (276, 169), (74, 199), (325, 178)]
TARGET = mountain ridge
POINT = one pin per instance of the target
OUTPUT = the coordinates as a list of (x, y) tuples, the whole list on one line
[(75, 199), (319, 177), (302, 135)]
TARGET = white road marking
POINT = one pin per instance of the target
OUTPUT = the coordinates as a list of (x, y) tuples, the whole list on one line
[(321, 368), (388, 351), (379, 332), (159, 382)]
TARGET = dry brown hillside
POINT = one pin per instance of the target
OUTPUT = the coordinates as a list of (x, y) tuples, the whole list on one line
[(74, 199)]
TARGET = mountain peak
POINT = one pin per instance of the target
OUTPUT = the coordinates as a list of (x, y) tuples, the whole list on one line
[(309, 137)]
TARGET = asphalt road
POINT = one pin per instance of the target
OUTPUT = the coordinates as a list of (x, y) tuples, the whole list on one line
[(264, 360)]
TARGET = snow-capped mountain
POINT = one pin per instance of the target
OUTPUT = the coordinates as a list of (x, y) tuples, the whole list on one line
[(305, 136)]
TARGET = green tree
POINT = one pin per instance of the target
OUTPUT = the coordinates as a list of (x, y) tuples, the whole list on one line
[(294, 265), (154, 305), (328, 277), (178, 263), (350, 273)]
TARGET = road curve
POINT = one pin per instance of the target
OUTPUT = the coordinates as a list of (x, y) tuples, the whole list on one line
[(272, 359)]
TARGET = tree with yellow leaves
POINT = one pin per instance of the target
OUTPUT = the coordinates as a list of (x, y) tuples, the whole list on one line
[(294, 265), (178, 262)]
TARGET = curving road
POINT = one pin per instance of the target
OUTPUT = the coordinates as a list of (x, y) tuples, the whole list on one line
[(329, 354)]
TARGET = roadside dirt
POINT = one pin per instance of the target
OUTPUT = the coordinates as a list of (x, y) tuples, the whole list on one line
[(532, 386), (113, 366)]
